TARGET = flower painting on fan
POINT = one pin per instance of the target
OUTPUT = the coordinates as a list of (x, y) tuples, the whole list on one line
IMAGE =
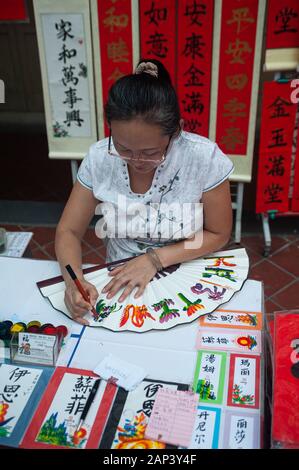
[(179, 294)]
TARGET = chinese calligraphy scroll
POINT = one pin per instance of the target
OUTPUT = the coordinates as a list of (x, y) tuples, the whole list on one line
[(238, 29), (113, 47), (14, 10), (194, 61), (295, 188), (157, 32), (64, 40), (275, 152)]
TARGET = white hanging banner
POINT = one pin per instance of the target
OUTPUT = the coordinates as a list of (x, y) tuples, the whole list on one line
[(65, 49)]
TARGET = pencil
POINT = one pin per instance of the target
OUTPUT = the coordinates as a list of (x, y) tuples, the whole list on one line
[(80, 287)]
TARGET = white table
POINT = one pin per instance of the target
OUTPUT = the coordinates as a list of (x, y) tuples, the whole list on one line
[(168, 355)]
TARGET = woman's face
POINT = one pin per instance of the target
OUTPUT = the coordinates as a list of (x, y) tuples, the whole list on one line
[(139, 142)]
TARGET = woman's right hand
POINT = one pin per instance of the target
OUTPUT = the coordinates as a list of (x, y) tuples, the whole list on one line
[(75, 303)]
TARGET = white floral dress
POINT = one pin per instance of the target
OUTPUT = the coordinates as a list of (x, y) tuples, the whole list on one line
[(192, 166)]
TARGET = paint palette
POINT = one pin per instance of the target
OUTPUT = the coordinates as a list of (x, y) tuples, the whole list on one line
[(177, 295), (8, 328)]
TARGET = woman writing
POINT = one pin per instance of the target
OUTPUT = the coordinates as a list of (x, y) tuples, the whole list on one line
[(147, 159)]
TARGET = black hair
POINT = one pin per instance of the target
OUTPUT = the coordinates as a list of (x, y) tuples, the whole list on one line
[(151, 98)]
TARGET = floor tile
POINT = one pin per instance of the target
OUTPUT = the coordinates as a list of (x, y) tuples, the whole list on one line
[(50, 249), (292, 237), (256, 243), (253, 257), (40, 254), (289, 297), (91, 239), (93, 258), (273, 277), (43, 235), (271, 306), (11, 228), (288, 258)]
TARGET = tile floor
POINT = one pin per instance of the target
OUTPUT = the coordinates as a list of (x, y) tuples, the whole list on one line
[(279, 272)]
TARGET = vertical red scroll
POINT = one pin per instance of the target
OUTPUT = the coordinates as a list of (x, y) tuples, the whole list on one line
[(13, 10), (237, 51), (282, 24), (275, 152), (115, 25), (158, 32), (194, 61)]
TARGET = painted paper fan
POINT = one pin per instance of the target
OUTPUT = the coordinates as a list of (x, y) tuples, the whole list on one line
[(179, 294)]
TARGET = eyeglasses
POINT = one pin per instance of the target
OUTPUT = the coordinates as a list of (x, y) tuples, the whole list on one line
[(155, 158)]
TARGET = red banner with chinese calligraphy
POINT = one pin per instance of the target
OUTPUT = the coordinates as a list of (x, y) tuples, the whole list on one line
[(285, 420), (194, 61), (115, 25), (295, 196), (13, 10), (237, 51), (275, 152), (158, 32), (282, 24)]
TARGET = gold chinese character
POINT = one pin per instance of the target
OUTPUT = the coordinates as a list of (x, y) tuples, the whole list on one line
[(239, 16), (237, 81), (115, 21), (237, 49), (233, 138), (118, 51), (234, 109), (116, 75)]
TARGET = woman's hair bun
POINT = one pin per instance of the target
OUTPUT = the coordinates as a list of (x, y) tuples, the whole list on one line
[(153, 67)]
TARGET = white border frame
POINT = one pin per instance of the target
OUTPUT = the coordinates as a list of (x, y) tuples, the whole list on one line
[(281, 59)]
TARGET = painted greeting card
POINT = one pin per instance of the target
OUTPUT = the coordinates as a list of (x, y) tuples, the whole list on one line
[(20, 390), (232, 319), (229, 340), (241, 430), (179, 294), (244, 381), (209, 378), (129, 417), (206, 429), (55, 423)]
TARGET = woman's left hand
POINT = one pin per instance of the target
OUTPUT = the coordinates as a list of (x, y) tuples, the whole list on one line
[(136, 272)]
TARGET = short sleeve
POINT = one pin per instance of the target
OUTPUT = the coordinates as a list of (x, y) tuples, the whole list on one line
[(84, 175), (218, 170)]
